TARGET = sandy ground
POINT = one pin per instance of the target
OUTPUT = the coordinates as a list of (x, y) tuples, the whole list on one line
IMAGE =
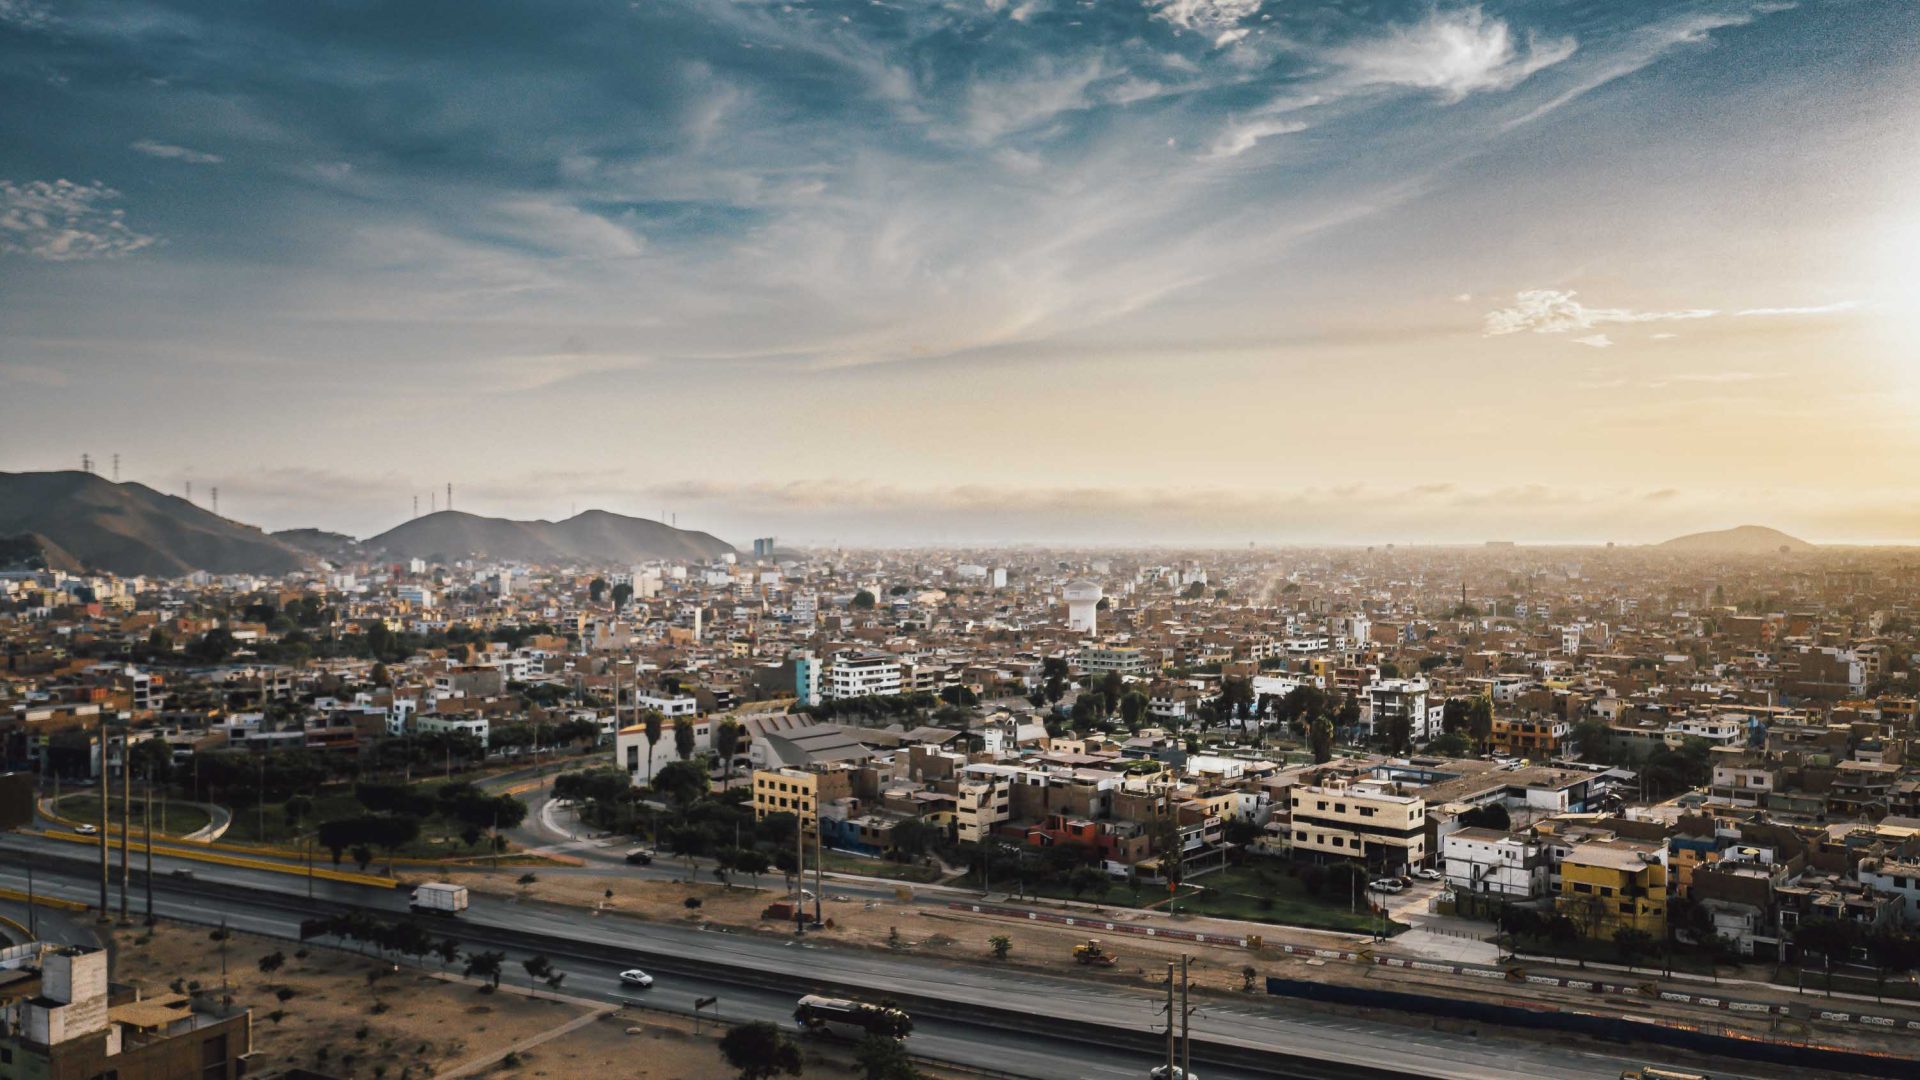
[(425, 1025)]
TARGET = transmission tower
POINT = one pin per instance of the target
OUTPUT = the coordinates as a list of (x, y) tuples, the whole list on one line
[(189, 491), (216, 501), (86, 464), (449, 496), (116, 468)]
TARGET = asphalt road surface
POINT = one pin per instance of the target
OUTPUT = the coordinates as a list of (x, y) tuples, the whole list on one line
[(1345, 1044)]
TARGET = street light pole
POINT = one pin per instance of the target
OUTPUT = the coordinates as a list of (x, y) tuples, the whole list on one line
[(149, 845)]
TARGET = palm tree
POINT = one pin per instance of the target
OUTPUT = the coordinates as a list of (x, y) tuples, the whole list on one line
[(652, 719)]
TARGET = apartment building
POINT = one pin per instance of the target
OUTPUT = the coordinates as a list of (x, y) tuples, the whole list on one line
[(1390, 700), (1362, 822), (1490, 862), (853, 675), (1610, 885), (800, 792), (1537, 738)]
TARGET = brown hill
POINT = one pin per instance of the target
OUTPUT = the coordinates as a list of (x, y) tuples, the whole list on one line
[(595, 536), (132, 529), (1741, 540)]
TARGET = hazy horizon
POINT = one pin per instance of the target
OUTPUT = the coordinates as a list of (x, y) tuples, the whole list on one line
[(1170, 272)]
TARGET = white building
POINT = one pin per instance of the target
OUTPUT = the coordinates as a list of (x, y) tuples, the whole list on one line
[(669, 707), (863, 675), (1490, 862), (1392, 698), (1083, 605)]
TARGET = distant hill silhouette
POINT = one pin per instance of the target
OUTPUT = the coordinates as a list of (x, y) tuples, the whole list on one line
[(595, 536), (338, 547), (131, 529), (1741, 540)]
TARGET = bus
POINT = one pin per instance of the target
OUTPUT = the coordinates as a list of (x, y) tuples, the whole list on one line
[(850, 1019)]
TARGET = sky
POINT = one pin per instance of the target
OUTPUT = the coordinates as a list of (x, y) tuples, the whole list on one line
[(964, 271)]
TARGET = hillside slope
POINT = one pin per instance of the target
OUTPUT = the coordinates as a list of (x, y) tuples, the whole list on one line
[(132, 529), (595, 536), (1741, 540)]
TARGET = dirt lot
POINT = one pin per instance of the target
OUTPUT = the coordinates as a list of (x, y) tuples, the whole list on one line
[(902, 926), (424, 1025)]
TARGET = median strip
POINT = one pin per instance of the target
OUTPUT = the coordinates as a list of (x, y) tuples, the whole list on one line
[(240, 862)]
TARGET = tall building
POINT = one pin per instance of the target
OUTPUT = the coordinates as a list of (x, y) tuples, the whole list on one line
[(1083, 605), (806, 679)]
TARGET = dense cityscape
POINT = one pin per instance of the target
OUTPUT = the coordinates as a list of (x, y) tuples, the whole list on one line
[(959, 540), (1577, 766)]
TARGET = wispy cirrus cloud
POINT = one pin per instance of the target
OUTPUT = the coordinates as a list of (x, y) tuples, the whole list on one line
[(62, 221), (1555, 311), (168, 151), (1558, 311), (1452, 53)]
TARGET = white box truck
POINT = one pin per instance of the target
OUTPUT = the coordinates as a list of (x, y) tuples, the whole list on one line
[(439, 898)]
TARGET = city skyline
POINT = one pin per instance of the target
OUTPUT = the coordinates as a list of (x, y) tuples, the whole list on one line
[(1183, 271)]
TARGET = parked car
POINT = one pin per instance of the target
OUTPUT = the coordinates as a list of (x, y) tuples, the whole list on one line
[(639, 857), (85, 830), (1171, 1072), (636, 977), (1428, 873), (1387, 885)]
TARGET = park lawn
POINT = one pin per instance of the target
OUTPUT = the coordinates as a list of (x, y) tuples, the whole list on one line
[(1261, 894), (268, 826), (841, 862), (1247, 893), (180, 818)]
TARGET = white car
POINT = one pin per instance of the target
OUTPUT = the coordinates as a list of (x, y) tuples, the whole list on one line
[(1387, 885), (636, 977), (1428, 873), (85, 830), (1171, 1072)]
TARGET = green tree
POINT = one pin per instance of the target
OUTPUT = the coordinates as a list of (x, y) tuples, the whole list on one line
[(621, 594), (651, 720), (914, 837), (682, 782), (485, 965), (881, 1058), (1002, 946), (1480, 721), (760, 1051), (726, 743), (1322, 741), (1133, 710), (683, 737), (863, 601), (597, 589)]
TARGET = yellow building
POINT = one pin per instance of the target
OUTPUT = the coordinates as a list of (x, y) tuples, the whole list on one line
[(1365, 823), (1612, 885), (798, 792)]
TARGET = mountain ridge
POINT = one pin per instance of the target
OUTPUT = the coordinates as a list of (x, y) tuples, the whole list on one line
[(593, 536), (1739, 540), (131, 529)]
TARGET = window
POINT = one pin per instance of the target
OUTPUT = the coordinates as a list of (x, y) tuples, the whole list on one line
[(1582, 887)]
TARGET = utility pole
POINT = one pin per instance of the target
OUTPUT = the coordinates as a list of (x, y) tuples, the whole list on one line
[(819, 862), (799, 878), (149, 831), (126, 818), (106, 800), (1186, 1018), (1169, 1019)]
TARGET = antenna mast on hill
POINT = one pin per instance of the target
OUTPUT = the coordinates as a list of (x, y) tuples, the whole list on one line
[(433, 502), (116, 468), (86, 464), (216, 501), (189, 491), (449, 496), (416, 506)]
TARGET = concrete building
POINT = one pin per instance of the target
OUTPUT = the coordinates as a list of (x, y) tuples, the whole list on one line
[(1366, 823), (1083, 605), (863, 675)]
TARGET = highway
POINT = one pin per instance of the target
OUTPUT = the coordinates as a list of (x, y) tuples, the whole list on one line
[(693, 962)]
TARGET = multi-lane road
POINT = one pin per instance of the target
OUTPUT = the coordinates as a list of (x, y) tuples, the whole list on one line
[(1262, 1037)]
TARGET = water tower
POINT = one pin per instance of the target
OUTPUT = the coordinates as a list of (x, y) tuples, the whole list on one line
[(1083, 605)]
